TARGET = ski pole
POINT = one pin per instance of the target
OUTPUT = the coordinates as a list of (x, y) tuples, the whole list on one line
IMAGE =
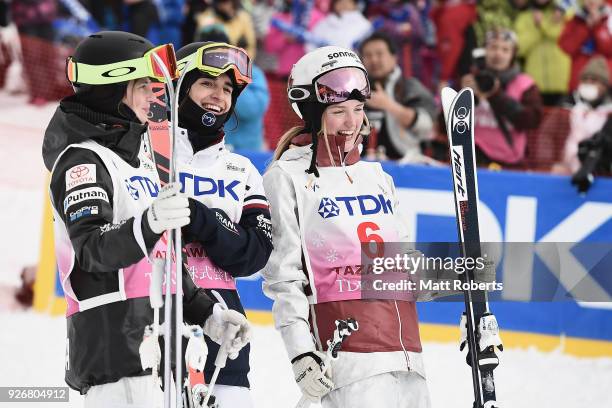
[(230, 335), (344, 328), (157, 301), (168, 309), (178, 250), (149, 348)]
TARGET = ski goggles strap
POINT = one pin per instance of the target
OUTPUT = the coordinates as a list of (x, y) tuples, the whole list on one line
[(122, 71), (218, 58)]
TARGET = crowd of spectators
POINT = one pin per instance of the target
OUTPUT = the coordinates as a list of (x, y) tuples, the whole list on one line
[(521, 57)]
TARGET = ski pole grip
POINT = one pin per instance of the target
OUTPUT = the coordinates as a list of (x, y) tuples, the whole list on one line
[(230, 335), (155, 288)]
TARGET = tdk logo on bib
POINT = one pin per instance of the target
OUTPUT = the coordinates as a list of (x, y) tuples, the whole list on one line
[(328, 208), (206, 186), (362, 205), (141, 184)]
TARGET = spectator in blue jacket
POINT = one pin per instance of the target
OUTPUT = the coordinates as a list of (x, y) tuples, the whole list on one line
[(244, 131)]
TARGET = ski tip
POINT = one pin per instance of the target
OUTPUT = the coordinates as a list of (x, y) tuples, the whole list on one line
[(448, 96)]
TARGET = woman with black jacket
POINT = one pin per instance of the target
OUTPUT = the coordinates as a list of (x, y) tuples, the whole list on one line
[(110, 214)]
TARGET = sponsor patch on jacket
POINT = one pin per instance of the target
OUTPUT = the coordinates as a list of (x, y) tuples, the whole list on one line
[(226, 223), (111, 227), (91, 193), (80, 174), (83, 212), (233, 167), (265, 225)]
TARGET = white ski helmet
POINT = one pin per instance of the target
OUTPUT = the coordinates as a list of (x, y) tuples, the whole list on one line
[(323, 77), (312, 66)]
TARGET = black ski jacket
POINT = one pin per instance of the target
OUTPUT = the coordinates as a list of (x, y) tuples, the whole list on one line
[(103, 341)]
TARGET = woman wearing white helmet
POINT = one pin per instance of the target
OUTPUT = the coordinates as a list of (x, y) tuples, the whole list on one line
[(320, 219)]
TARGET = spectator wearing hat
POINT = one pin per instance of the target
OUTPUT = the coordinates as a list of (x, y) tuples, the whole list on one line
[(592, 106), (587, 34), (508, 102)]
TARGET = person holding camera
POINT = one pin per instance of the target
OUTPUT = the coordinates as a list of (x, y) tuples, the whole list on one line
[(595, 154), (508, 102), (591, 108)]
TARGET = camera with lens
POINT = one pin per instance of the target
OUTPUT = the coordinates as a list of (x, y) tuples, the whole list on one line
[(484, 77), (595, 154)]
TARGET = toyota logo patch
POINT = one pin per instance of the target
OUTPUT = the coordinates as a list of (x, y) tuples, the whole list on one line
[(78, 172)]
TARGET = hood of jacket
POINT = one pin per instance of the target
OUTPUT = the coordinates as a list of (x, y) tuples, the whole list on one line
[(73, 123)]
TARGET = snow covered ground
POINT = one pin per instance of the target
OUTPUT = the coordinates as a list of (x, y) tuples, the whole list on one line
[(32, 354), (32, 345)]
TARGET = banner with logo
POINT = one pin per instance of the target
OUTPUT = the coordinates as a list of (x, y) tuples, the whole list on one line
[(515, 207)]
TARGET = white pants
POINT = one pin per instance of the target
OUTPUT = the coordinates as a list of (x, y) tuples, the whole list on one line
[(229, 396), (139, 392), (128, 392), (398, 389)]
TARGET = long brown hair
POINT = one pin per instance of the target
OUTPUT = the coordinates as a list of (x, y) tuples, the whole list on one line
[(285, 141)]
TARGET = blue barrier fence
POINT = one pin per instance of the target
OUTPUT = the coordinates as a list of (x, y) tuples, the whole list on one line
[(517, 207)]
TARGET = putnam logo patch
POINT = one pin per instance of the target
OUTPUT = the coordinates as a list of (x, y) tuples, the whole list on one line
[(91, 193), (80, 174)]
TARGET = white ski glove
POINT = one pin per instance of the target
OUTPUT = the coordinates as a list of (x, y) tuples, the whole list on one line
[(309, 375), (150, 353), (217, 324), (169, 210)]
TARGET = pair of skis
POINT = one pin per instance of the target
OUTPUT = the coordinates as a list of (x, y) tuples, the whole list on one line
[(478, 326), (193, 393)]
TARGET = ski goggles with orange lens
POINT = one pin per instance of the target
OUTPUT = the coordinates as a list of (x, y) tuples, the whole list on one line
[(145, 66), (335, 86), (218, 58)]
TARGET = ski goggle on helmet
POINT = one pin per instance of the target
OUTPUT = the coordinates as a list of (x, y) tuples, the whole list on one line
[(328, 75), (218, 58), (145, 66)]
